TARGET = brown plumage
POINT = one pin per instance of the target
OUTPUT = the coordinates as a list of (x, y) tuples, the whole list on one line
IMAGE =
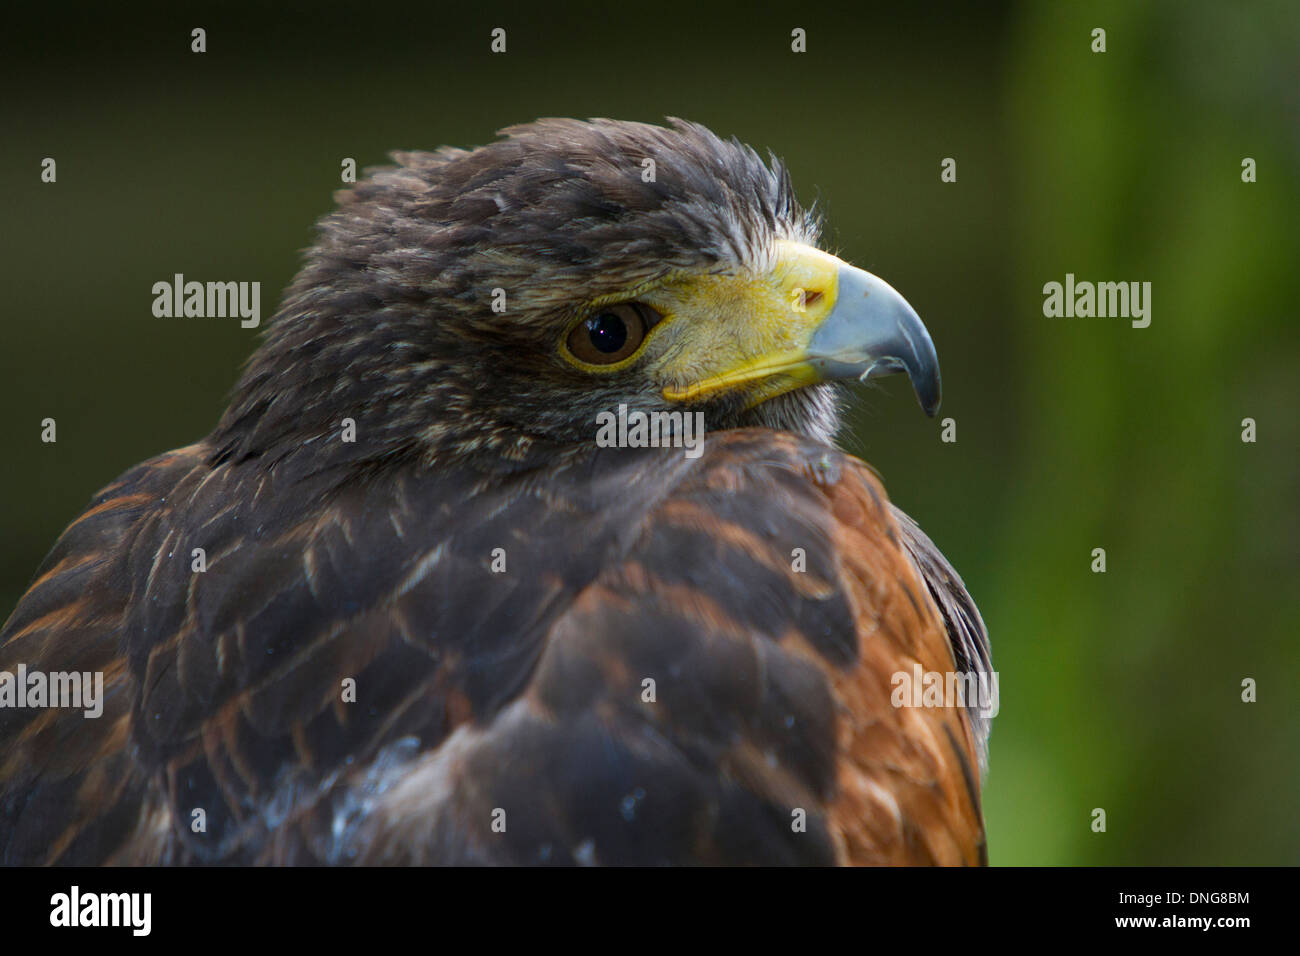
[(648, 678)]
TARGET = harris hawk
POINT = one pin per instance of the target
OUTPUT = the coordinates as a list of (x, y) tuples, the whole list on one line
[(437, 622)]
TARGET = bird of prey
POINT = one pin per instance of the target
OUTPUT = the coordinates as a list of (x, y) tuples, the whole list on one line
[(401, 606)]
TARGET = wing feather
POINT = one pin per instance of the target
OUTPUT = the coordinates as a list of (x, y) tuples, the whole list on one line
[(652, 678)]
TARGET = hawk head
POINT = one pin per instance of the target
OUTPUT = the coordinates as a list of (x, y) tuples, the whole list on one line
[(489, 304)]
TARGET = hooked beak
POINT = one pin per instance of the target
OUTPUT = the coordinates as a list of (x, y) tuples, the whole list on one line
[(872, 331), (816, 318)]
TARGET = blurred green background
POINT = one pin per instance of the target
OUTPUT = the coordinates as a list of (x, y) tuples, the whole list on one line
[(1119, 690)]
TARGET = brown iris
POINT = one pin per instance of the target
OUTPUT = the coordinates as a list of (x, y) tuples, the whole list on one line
[(611, 333)]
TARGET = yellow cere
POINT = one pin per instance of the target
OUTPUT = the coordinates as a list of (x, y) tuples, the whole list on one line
[(749, 330)]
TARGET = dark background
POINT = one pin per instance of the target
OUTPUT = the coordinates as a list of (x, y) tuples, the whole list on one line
[(1119, 690)]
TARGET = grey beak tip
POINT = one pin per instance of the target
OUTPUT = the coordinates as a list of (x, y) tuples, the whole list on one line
[(873, 331), (922, 366), (929, 393)]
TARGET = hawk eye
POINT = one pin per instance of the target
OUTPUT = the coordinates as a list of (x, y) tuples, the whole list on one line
[(611, 333)]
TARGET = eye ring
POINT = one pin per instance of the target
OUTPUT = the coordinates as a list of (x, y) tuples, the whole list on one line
[(611, 333)]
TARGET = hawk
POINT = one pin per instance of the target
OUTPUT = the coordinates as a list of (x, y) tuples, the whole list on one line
[(401, 607)]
